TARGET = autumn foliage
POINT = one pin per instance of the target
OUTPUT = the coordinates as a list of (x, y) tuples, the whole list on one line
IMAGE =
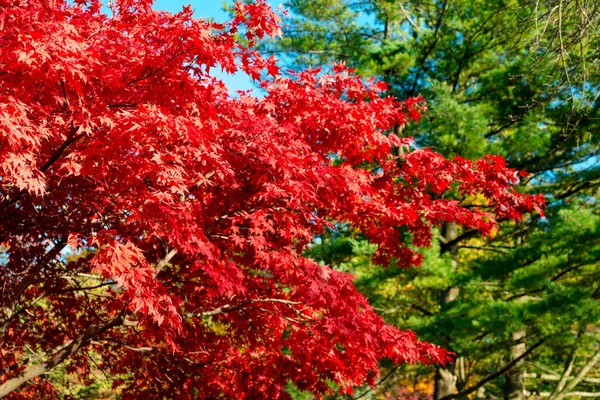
[(153, 225)]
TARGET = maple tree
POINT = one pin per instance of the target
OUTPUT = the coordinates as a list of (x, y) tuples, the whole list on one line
[(153, 225)]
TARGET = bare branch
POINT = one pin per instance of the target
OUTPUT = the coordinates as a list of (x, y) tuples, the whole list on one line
[(574, 394), (579, 377), (495, 375), (555, 377), (566, 374)]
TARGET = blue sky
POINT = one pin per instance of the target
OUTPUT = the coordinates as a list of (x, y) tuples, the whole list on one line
[(213, 9)]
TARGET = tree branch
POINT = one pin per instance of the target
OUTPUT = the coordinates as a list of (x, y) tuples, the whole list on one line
[(579, 377), (495, 375), (165, 260), (61, 149), (59, 354), (574, 394), (555, 377), (8, 310), (567, 372), (228, 308)]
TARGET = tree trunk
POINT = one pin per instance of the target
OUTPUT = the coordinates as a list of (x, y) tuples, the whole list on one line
[(446, 377), (445, 381), (514, 386), (450, 379)]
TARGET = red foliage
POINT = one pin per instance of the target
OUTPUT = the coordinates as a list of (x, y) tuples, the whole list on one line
[(189, 210)]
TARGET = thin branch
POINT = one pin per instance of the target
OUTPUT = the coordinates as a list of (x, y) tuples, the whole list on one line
[(136, 349), (61, 149), (165, 260), (59, 354), (410, 21), (495, 375), (380, 381), (228, 308), (551, 377), (566, 374), (8, 311), (579, 377), (396, 309), (574, 394)]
